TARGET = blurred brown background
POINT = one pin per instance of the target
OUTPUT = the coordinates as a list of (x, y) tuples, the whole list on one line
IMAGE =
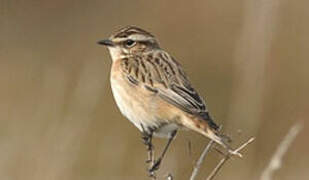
[(58, 119)]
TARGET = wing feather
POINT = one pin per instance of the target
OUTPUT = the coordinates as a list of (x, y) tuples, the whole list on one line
[(162, 75)]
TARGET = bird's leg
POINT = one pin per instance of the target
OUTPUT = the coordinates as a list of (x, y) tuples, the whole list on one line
[(149, 146), (157, 162), (147, 139)]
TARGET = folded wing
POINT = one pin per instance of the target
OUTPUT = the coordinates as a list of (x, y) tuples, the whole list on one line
[(161, 74)]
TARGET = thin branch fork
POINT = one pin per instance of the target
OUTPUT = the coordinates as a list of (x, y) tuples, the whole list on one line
[(221, 163), (227, 157)]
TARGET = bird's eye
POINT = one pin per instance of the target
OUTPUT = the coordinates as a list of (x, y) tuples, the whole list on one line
[(130, 43)]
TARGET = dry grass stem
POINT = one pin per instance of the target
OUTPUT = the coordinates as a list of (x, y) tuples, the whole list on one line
[(276, 160)]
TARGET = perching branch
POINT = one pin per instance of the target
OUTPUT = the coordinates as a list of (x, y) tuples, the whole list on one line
[(230, 154), (227, 157), (200, 160), (202, 157), (218, 167), (276, 161)]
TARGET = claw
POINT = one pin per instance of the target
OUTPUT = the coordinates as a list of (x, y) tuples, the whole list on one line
[(155, 166)]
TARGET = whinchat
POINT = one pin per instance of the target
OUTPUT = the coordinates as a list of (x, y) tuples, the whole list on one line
[(152, 90)]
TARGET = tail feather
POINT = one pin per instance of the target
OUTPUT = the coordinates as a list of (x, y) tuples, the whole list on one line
[(202, 127), (206, 117), (221, 139), (214, 129), (210, 130)]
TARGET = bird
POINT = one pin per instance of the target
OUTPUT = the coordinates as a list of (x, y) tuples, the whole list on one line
[(152, 90)]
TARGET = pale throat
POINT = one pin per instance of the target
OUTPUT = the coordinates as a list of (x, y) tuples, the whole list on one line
[(116, 53)]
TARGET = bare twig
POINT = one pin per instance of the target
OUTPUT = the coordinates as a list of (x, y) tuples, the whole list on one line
[(202, 157), (169, 177), (227, 157), (217, 168), (245, 144), (200, 160), (276, 160)]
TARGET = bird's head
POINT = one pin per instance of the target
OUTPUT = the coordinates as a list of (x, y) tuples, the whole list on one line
[(129, 41)]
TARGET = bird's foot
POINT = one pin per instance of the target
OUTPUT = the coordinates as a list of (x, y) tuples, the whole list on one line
[(155, 166)]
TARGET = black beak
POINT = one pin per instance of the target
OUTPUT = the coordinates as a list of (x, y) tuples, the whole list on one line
[(106, 42)]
